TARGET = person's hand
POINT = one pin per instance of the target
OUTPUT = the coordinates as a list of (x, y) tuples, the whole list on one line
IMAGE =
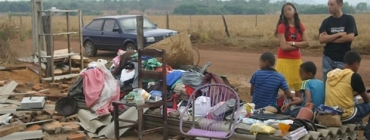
[(284, 107), (323, 33)]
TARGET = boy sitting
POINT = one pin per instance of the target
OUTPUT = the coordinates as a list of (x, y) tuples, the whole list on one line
[(265, 83), (340, 88), (312, 89)]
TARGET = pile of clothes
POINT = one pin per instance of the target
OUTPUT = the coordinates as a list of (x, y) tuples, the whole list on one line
[(97, 87)]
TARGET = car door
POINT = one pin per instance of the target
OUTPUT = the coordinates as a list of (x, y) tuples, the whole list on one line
[(93, 32), (111, 35)]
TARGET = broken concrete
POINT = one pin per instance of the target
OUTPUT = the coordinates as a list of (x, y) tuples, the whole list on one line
[(52, 128)]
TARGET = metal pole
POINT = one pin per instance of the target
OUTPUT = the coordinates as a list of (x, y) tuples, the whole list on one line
[(51, 45), (140, 32), (69, 44), (81, 43)]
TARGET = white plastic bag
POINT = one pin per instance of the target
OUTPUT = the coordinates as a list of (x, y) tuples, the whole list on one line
[(202, 106), (109, 93), (182, 109)]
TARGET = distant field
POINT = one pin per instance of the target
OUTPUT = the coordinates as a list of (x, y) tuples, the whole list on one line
[(242, 28)]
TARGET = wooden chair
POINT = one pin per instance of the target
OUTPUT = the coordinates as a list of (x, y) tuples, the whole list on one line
[(155, 75)]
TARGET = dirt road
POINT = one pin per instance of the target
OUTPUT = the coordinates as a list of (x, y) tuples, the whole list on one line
[(237, 65)]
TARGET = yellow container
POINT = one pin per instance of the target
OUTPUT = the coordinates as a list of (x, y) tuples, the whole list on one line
[(249, 107)]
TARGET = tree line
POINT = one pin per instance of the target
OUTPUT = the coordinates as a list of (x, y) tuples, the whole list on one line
[(181, 7)]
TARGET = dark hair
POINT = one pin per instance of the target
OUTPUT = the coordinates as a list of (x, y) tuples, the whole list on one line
[(339, 1), (269, 57), (282, 19), (352, 57), (309, 67)]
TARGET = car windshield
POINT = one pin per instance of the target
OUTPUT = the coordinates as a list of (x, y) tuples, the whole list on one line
[(130, 23)]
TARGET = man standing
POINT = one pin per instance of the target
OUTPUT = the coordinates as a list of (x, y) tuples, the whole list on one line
[(337, 32)]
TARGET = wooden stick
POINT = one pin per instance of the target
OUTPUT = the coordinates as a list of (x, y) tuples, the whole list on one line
[(29, 93)]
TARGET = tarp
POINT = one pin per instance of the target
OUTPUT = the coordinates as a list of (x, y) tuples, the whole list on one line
[(178, 48)]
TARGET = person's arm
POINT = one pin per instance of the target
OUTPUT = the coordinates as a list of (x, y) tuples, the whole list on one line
[(308, 97), (251, 90), (305, 42), (288, 94), (302, 44), (351, 31), (323, 36), (285, 88), (346, 38), (252, 82), (358, 86), (296, 101), (282, 41)]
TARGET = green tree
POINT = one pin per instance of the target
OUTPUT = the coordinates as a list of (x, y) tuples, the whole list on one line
[(362, 6)]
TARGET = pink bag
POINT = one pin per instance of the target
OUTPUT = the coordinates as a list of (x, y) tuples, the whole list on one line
[(117, 59)]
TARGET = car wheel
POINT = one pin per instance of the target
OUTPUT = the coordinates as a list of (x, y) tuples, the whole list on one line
[(130, 47), (90, 50)]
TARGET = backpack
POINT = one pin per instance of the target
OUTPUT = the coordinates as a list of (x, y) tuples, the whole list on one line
[(308, 125)]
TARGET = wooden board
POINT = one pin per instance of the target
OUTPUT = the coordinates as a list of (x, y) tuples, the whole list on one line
[(8, 88), (58, 71), (78, 57), (61, 77), (12, 128)]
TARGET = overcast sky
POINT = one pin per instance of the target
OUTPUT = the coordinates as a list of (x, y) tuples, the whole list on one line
[(352, 2)]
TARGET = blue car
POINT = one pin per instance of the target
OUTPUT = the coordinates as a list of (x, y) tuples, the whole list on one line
[(111, 33)]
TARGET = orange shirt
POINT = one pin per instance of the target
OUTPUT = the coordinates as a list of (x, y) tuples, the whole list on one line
[(293, 36)]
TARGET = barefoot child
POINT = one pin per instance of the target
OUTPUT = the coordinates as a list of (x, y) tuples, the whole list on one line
[(266, 82)]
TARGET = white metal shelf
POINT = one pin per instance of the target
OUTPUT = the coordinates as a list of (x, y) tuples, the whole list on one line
[(60, 11), (61, 55)]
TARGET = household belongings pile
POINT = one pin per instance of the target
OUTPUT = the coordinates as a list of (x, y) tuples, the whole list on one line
[(97, 87), (266, 125), (121, 83)]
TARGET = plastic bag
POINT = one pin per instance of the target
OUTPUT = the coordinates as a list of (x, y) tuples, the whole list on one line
[(323, 109), (262, 128), (335, 120), (109, 94), (192, 78), (202, 106), (182, 109)]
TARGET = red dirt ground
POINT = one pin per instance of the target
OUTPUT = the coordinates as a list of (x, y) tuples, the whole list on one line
[(237, 63)]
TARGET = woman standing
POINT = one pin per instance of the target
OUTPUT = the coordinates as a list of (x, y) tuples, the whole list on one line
[(292, 37)]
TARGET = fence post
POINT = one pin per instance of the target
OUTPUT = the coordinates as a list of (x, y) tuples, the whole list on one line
[(191, 24), (226, 29), (167, 21), (21, 24), (256, 21), (140, 32)]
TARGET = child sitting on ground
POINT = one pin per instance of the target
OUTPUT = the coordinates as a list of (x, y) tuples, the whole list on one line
[(266, 82), (312, 89), (340, 88)]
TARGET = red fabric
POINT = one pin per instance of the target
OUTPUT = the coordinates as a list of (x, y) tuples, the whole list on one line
[(210, 76), (189, 90), (108, 107), (168, 69), (280, 102), (294, 54), (175, 96), (93, 83)]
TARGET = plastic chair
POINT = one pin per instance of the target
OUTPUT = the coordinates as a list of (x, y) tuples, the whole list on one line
[(210, 123)]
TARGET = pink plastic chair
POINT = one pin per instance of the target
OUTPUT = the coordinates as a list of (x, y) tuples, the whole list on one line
[(224, 102)]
